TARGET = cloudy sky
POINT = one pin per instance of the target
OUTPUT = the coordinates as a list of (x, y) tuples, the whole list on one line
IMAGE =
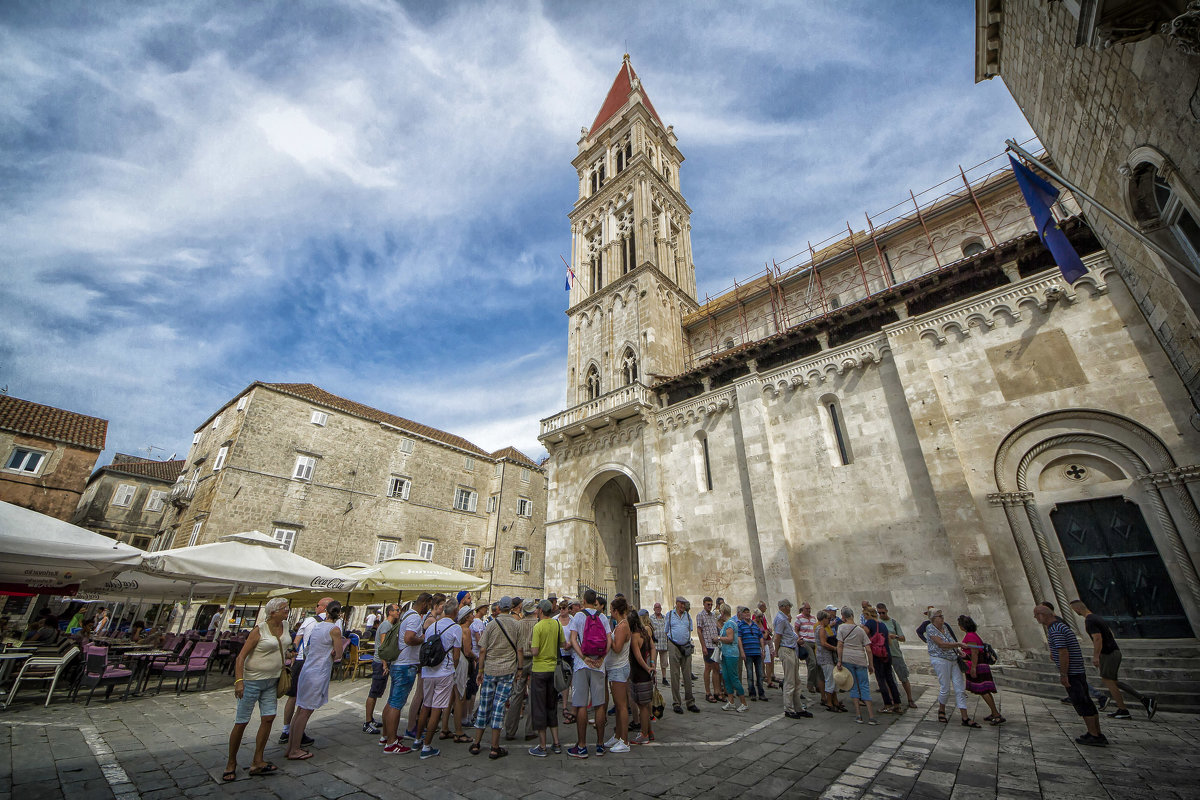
[(371, 196)]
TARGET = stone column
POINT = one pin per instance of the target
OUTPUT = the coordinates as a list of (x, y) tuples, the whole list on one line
[(562, 560), (653, 555)]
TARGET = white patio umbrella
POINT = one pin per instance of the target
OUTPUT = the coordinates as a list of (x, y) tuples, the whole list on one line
[(40, 553), (135, 583), (250, 560)]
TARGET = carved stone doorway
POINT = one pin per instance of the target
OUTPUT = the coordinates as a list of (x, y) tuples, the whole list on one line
[(1118, 569)]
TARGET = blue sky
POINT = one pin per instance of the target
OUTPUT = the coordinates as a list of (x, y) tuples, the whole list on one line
[(372, 196)]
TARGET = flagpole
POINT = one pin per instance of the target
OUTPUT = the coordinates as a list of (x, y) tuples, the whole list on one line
[(1131, 230)]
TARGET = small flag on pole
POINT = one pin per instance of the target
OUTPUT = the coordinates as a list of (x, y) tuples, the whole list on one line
[(1039, 196), (570, 275)]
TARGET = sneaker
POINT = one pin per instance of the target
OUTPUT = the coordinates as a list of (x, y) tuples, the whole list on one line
[(577, 752), (872, 721), (418, 744), (382, 741), (1092, 741), (1151, 706), (611, 741), (692, 708), (556, 749), (600, 749), (1121, 713), (411, 734), (372, 727), (1102, 701), (729, 707), (429, 752), (619, 747), (538, 751), (397, 748), (763, 699), (677, 709), (805, 713), (743, 707), (753, 699), (640, 739), (305, 740)]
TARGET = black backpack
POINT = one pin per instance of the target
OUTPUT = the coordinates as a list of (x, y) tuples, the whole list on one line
[(433, 652)]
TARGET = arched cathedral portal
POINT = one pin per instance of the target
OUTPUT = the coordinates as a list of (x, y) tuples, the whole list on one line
[(607, 555)]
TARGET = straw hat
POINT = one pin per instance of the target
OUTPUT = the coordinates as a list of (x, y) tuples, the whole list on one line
[(844, 679)]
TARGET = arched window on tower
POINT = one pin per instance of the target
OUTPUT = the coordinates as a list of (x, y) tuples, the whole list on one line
[(596, 262), (593, 383), (629, 367), (624, 154), (625, 231)]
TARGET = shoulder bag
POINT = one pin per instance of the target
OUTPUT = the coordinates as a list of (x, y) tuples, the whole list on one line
[(284, 682)]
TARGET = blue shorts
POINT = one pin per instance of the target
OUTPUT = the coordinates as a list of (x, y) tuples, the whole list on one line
[(862, 682), (260, 692), (403, 678), (618, 674)]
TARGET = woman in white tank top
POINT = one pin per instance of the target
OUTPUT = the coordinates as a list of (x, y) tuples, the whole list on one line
[(617, 667)]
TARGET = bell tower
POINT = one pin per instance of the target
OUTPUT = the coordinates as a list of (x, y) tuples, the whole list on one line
[(631, 249)]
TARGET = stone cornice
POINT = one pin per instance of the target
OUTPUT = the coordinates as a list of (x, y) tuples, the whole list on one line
[(696, 408), (1173, 477), (816, 369), (604, 297), (1038, 292), (1009, 498)]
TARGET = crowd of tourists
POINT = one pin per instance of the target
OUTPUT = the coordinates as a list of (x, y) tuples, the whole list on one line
[(468, 671)]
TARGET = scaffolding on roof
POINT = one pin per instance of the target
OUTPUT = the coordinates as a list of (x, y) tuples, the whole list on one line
[(819, 292)]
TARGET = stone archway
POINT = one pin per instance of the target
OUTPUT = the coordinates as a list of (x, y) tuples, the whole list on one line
[(608, 553), (1052, 471)]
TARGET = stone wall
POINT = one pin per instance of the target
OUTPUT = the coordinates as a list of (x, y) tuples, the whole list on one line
[(344, 511), (1092, 108), (133, 523), (56, 489)]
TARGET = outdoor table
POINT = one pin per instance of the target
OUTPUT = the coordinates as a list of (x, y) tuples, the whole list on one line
[(144, 659), (7, 660)]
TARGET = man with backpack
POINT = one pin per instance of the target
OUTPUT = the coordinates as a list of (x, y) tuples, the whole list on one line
[(438, 656), (401, 647), (500, 658), (678, 630), (590, 639)]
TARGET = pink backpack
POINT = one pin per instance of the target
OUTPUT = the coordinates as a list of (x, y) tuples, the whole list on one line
[(879, 644), (594, 643)]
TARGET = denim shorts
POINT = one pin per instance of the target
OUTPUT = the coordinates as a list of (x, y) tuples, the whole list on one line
[(618, 674), (862, 682), (403, 678), (260, 691)]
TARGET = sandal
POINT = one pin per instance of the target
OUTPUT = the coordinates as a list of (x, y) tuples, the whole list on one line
[(710, 698), (942, 717), (474, 749), (229, 775), (304, 754), (970, 723), (497, 752), (568, 718), (461, 738), (445, 735), (998, 720), (266, 769)]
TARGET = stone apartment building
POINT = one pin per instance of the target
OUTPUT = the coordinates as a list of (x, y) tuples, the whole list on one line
[(127, 498), (338, 482), (46, 455), (918, 412), (1112, 90)]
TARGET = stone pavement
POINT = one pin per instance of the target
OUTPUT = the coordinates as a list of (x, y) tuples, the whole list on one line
[(168, 747)]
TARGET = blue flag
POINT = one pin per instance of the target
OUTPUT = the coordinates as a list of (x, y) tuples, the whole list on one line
[(1039, 196)]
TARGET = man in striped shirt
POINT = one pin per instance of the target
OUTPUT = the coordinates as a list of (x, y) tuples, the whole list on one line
[(1068, 657)]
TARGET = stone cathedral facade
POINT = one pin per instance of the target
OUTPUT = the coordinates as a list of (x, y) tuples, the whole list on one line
[(921, 413)]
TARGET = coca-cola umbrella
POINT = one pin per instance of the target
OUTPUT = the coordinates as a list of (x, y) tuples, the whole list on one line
[(386, 580), (44, 555), (250, 561)]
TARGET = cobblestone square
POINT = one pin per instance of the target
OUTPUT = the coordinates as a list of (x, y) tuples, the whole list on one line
[(168, 746)]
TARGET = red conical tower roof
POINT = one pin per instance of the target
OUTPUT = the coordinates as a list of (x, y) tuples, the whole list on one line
[(621, 88)]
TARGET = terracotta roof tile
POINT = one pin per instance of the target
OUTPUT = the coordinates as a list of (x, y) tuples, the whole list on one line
[(315, 394), (167, 471), (618, 94), (34, 419), (515, 455)]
